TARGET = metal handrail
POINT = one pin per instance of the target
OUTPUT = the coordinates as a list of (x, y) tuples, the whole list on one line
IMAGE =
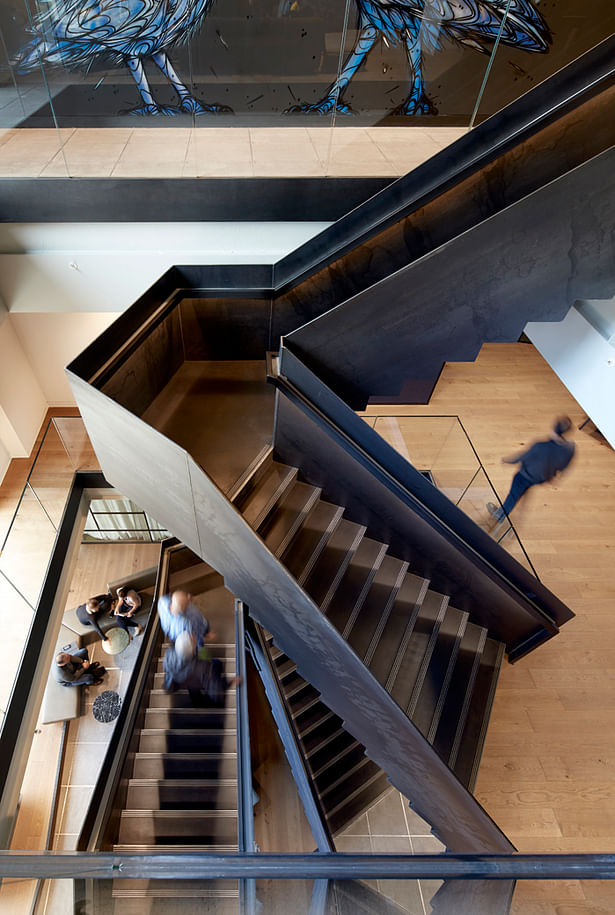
[(245, 806), (316, 866)]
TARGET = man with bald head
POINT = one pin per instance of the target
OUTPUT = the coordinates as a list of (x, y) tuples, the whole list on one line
[(76, 669), (178, 614)]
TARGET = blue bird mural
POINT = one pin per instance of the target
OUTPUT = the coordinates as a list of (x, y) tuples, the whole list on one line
[(420, 26), (76, 33)]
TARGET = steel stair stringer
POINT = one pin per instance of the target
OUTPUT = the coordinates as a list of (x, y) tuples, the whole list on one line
[(174, 489)]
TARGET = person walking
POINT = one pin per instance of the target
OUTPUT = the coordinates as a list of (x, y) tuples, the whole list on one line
[(178, 614), (539, 464), (203, 678)]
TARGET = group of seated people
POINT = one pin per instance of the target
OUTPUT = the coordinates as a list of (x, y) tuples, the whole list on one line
[(124, 608), (75, 669), (187, 663)]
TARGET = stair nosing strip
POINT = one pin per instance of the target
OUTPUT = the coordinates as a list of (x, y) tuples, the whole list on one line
[(364, 590), (452, 758), (324, 605), (433, 727), (406, 636), (152, 754), (135, 813), (486, 718), (324, 539), (431, 644), (371, 648), (198, 732), (181, 782)]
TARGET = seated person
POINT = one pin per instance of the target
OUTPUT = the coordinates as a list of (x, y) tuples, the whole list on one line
[(88, 613), (76, 670), (178, 614), (128, 602)]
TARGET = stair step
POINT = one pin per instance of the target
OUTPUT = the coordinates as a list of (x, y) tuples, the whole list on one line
[(322, 736), (180, 794), (159, 677), (427, 699), (399, 624), (165, 905), (184, 765), (370, 617), (182, 718), (227, 661), (460, 690), (329, 748), (159, 698), (314, 720), (288, 515), (202, 889), (415, 652), (358, 774), (171, 827), (355, 583), (301, 696), (358, 801), (196, 578), (336, 766), (260, 500), (185, 740), (311, 538), (143, 848), (466, 754), (330, 566)]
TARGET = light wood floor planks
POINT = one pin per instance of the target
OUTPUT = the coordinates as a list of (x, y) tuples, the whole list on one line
[(548, 770)]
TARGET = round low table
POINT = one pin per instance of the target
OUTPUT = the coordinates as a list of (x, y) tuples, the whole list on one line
[(106, 707), (117, 640)]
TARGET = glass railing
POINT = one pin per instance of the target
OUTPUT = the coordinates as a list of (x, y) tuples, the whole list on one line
[(440, 447), (289, 87)]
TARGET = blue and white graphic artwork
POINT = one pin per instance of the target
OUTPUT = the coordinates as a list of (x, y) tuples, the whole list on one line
[(76, 33), (85, 34), (420, 26)]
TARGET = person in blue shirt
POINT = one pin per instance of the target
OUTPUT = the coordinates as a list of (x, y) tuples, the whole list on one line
[(178, 614), (539, 464)]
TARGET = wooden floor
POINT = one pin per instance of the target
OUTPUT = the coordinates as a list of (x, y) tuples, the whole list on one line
[(548, 770)]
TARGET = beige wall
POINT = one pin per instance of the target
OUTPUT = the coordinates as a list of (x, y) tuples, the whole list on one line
[(22, 401), (51, 341)]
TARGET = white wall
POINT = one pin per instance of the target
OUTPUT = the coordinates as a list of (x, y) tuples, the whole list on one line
[(585, 362), (116, 262)]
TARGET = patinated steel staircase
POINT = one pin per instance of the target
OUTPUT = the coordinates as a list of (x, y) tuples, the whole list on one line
[(440, 668)]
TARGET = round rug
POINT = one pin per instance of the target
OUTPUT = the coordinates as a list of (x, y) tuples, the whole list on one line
[(117, 640), (106, 707)]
